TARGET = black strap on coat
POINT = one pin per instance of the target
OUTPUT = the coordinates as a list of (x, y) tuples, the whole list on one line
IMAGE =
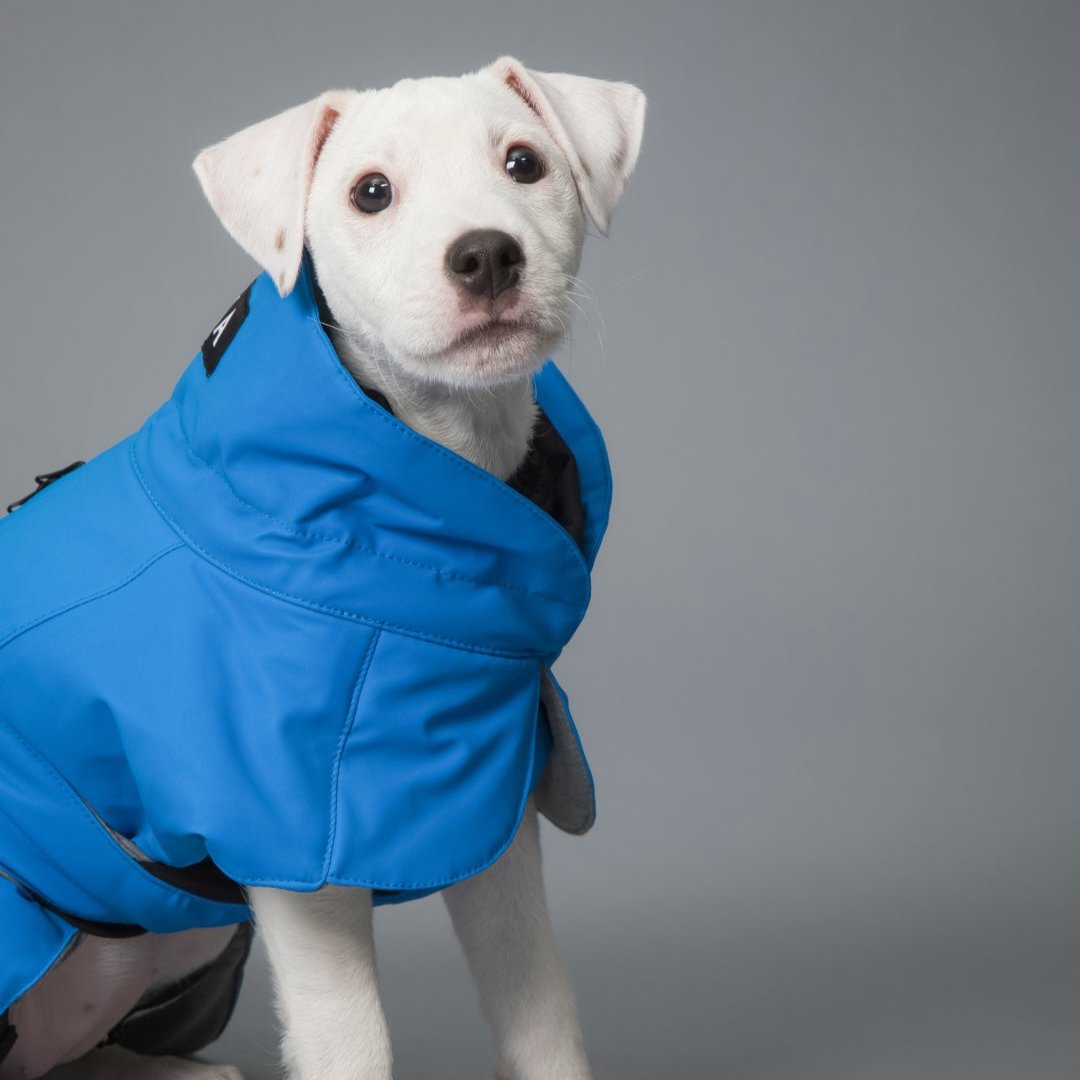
[(43, 481)]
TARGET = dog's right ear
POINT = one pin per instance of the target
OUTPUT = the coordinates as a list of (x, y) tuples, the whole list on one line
[(258, 182)]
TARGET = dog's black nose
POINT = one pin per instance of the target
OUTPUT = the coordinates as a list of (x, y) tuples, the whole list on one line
[(485, 261)]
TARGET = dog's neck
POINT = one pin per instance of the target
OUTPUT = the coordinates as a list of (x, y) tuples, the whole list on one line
[(489, 426)]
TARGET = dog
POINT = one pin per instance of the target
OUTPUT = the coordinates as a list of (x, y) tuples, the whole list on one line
[(434, 229)]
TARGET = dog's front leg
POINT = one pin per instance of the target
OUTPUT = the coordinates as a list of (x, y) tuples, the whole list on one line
[(501, 919), (322, 953)]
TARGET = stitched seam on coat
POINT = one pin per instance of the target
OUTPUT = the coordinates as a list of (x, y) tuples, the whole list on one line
[(396, 886), (348, 542), (339, 751), (63, 610), (608, 486), (72, 796), (314, 605)]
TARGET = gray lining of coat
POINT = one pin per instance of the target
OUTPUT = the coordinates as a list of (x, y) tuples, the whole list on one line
[(564, 794)]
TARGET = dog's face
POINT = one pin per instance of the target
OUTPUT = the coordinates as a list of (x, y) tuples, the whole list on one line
[(424, 239), (445, 217)]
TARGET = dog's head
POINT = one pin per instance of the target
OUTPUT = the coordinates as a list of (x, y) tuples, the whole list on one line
[(445, 217)]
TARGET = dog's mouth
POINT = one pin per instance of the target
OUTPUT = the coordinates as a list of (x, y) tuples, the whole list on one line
[(495, 349), (493, 332), (501, 347)]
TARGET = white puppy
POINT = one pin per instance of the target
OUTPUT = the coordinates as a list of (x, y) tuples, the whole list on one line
[(445, 220)]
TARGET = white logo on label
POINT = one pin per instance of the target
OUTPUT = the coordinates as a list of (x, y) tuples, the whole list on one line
[(218, 330)]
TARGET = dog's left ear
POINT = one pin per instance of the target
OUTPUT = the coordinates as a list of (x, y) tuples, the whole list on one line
[(258, 182), (597, 124)]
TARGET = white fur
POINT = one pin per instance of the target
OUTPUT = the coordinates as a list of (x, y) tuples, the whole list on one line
[(322, 954), (501, 920), (280, 185)]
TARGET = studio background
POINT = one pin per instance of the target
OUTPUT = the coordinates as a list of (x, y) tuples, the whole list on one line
[(830, 680)]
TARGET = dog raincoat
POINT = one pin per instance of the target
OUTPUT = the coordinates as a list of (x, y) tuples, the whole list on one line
[(276, 637)]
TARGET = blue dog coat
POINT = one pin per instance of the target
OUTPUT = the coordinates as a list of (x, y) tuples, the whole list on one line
[(276, 637)]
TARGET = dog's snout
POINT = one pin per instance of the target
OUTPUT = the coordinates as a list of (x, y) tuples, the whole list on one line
[(485, 262)]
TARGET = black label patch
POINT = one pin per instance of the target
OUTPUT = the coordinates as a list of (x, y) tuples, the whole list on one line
[(220, 338)]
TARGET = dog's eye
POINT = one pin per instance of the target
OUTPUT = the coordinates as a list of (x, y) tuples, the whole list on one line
[(524, 164), (372, 193)]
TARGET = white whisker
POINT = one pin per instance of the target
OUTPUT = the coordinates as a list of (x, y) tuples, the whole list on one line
[(633, 277)]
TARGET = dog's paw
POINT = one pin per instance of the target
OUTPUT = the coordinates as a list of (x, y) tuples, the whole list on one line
[(116, 1063), (171, 1068), (547, 1075), (214, 1072), (547, 1071)]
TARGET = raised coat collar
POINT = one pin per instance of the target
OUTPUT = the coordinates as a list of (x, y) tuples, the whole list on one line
[(278, 468)]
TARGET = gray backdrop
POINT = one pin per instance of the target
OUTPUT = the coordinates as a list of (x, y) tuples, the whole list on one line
[(830, 679)]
